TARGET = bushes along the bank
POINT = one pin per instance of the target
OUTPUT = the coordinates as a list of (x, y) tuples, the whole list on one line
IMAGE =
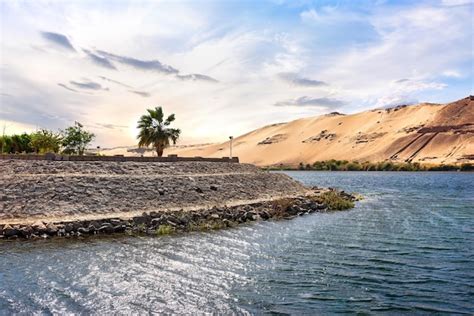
[(345, 165)]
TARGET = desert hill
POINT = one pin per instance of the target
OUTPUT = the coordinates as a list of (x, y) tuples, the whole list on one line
[(425, 133)]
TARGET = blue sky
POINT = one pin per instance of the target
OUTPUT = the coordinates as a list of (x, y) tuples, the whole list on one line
[(225, 67)]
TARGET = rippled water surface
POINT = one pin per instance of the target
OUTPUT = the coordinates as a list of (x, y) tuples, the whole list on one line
[(407, 248)]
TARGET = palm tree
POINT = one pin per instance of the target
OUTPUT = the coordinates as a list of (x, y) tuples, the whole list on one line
[(154, 131)]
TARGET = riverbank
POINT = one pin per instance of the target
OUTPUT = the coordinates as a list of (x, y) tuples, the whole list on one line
[(76, 198), (180, 221), (345, 165)]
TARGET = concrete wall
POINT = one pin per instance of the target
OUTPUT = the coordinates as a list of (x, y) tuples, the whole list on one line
[(56, 157)]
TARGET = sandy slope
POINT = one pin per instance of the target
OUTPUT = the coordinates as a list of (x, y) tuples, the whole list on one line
[(431, 133)]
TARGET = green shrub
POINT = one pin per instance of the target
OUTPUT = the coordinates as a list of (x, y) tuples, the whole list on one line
[(75, 139), (334, 201), (165, 230), (44, 141), (467, 167), (344, 165)]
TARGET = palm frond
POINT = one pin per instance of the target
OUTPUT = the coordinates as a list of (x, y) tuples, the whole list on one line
[(153, 131)]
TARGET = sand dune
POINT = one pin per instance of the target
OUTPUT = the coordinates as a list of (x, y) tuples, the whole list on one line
[(427, 133)]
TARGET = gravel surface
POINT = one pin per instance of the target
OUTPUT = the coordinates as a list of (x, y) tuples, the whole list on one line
[(43, 189)]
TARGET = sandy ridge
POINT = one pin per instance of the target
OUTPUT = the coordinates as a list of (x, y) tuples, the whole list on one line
[(426, 133)]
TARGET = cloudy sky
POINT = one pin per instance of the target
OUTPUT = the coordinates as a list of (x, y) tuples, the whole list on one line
[(224, 67)]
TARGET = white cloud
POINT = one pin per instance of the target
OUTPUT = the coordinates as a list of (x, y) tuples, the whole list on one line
[(309, 15), (329, 14), (394, 100), (457, 2), (417, 43), (452, 74)]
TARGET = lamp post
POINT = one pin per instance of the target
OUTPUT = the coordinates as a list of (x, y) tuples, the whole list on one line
[(230, 145)]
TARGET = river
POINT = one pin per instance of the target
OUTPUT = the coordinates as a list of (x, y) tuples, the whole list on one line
[(407, 248)]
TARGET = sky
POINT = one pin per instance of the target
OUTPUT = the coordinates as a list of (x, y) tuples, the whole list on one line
[(224, 67)]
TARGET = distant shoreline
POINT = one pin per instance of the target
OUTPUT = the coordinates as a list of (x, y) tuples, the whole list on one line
[(344, 165)]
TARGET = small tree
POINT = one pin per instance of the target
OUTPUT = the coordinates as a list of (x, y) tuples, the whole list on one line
[(154, 130), (5, 144), (75, 139), (44, 141), (21, 143)]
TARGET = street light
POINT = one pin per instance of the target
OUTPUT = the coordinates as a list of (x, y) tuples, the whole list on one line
[(231, 138)]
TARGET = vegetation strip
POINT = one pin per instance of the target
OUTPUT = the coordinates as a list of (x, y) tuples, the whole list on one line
[(345, 165), (163, 223)]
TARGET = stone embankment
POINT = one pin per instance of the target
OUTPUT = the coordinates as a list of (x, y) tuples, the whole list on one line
[(63, 198)]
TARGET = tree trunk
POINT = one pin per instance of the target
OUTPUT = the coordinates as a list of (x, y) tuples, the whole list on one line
[(159, 151)]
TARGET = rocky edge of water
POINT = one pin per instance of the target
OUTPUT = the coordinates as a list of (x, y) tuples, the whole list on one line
[(162, 223)]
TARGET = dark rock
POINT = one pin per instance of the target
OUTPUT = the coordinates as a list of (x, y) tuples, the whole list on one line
[(184, 219), (69, 227), (172, 223), (264, 215), (213, 188), (250, 216), (83, 230), (142, 220), (156, 221), (51, 229), (95, 224), (9, 231), (119, 228), (242, 219), (225, 215), (106, 228), (26, 231), (39, 227), (199, 190), (319, 206), (77, 225), (292, 210), (115, 221), (161, 192)]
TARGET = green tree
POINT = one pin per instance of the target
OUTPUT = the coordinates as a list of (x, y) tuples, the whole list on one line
[(21, 143), (467, 167), (353, 166), (5, 144), (44, 141), (155, 131), (75, 139)]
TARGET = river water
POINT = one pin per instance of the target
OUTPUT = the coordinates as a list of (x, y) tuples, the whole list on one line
[(408, 248)]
